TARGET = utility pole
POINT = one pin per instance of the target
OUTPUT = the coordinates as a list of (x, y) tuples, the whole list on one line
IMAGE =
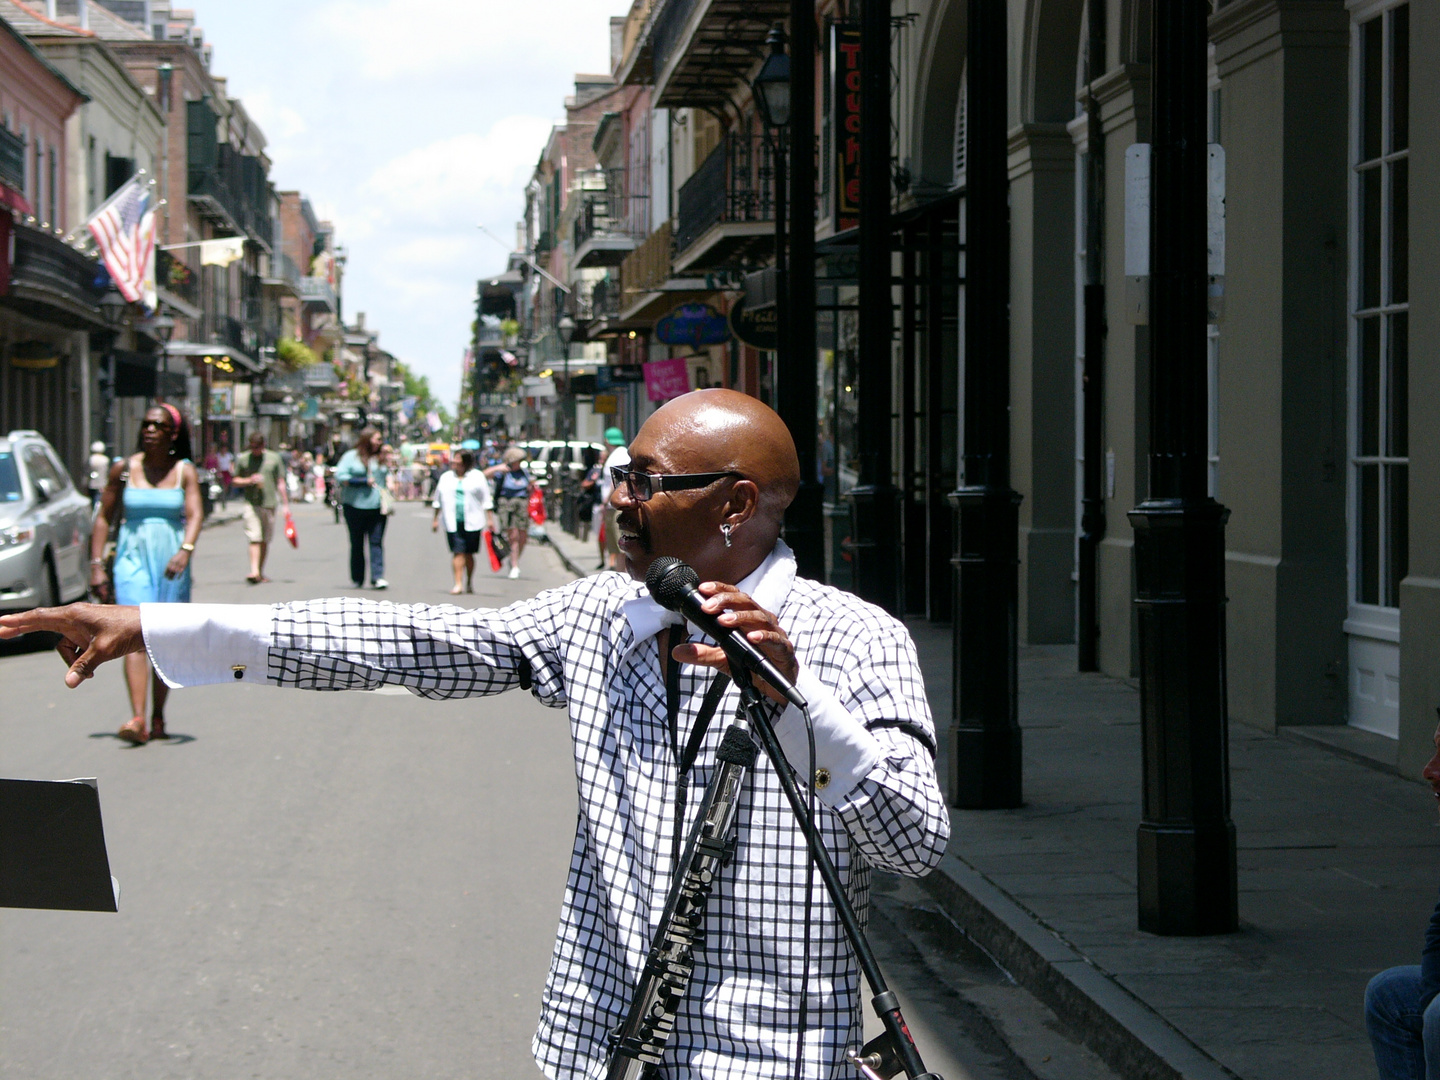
[(985, 733), (804, 520), (876, 500), (1186, 841)]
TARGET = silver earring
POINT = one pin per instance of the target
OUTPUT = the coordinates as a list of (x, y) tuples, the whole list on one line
[(725, 530)]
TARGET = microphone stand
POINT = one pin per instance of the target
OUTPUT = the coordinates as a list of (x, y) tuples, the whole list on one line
[(875, 1064)]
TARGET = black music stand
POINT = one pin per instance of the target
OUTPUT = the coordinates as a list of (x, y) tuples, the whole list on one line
[(52, 847)]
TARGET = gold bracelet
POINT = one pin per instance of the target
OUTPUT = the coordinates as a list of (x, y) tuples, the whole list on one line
[(187, 547)]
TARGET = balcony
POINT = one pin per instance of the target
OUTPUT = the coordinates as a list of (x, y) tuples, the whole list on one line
[(231, 188), (229, 332), (280, 274), (610, 225), (694, 52), (726, 210), (319, 292), (52, 282)]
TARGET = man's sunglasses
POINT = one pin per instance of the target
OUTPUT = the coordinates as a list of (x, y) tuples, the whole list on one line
[(642, 485)]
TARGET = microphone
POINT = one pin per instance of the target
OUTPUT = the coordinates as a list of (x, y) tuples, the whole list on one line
[(673, 584)]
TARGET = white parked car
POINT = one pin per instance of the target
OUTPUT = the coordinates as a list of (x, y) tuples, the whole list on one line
[(44, 527)]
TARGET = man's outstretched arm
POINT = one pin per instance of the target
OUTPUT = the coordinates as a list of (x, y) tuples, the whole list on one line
[(338, 644)]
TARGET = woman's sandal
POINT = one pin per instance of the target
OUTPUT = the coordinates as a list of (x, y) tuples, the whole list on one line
[(157, 728), (134, 731)]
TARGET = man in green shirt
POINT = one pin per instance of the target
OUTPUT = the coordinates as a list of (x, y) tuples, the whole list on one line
[(261, 477)]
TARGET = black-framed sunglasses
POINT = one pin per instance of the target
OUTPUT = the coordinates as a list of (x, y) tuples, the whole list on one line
[(642, 485), (158, 425)]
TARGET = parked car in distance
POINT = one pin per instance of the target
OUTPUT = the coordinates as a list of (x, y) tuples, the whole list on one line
[(44, 527)]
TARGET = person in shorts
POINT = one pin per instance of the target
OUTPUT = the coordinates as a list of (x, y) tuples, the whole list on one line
[(513, 485), (261, 476)]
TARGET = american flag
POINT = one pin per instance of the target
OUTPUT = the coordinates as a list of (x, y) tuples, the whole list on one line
[(124, 230)]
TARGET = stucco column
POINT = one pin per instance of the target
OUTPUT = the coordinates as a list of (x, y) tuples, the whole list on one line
[(1420, 590), (1042, 375), (1282, 356)]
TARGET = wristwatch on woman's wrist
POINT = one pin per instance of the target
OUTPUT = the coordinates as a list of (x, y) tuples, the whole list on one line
[(187, 547)]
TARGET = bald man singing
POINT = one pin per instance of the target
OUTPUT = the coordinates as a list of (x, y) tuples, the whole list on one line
[(775, 980)]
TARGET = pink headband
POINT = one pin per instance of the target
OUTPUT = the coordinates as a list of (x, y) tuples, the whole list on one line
[(174, 414)]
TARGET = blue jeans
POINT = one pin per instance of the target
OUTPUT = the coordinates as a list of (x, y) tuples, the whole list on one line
[(1406, 1040), (366, 525)]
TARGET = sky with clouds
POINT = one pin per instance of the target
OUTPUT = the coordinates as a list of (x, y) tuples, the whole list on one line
[(406, 122)]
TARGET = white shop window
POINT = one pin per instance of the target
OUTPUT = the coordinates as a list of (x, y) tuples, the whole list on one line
[(1378, 435)]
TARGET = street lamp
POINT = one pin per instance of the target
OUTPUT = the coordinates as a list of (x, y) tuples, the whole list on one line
[(565, 331), (772, 85)]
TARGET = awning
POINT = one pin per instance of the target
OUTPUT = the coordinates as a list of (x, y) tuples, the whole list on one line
[(196, 348)]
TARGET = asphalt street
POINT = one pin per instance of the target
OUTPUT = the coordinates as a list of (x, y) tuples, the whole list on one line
[(359, 884)]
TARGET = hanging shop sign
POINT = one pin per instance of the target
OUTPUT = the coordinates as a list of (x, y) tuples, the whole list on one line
[(757, 327), (666, 379), (34, 355), (619, 375), (694, 325), (845, 94), (606, 404)]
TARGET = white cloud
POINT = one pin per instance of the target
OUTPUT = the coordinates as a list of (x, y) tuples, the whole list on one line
[(405, 124)]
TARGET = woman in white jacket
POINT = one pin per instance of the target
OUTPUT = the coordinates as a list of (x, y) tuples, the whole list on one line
[(462, 499)]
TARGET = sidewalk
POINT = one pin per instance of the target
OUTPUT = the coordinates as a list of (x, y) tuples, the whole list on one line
[(1336, 861)]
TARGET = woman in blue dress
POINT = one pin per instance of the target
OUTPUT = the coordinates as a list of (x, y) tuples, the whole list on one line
[(156, 497)]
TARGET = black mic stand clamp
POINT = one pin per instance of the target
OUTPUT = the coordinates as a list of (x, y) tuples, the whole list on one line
[(893, 1052)]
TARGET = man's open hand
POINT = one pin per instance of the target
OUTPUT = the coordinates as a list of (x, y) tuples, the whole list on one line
[(90, 634)]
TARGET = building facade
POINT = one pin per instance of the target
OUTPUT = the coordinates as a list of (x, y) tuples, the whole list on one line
[(1321, 127)]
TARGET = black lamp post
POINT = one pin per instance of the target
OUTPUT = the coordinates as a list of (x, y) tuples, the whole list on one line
[(875, 500), (565, 332), (112, 309), (772, 97), (785, 95)]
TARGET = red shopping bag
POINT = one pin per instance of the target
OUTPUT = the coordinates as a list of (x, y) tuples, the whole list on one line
[(496, 559), (290, 533), (537, 506)]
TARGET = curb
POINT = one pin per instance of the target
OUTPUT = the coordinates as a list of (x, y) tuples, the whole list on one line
[(1126, 1033), (570, 564)]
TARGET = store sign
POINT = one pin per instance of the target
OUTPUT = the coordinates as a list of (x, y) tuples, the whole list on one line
[(619, 375), (666, 379), (693, 325), (845, 95), (606, 404), (757, 327)]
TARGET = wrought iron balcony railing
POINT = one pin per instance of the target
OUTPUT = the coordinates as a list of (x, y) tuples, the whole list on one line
[(318, 290), (736, 183)]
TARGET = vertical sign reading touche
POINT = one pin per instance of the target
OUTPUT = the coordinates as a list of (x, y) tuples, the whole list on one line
[(845, 63)]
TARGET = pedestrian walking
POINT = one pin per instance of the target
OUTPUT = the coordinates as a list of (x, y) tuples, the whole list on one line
[(154, 498), (463, 503), (99, 467), (362, 475), (225, 470), (1402, 1004), (774, 988), (262, 476), (512, 502), (607, 534)]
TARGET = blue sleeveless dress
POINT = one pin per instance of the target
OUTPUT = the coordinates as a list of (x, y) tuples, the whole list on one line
[(150, 534)]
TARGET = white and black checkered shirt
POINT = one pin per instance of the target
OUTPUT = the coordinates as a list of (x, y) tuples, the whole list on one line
[(740, 1017)]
